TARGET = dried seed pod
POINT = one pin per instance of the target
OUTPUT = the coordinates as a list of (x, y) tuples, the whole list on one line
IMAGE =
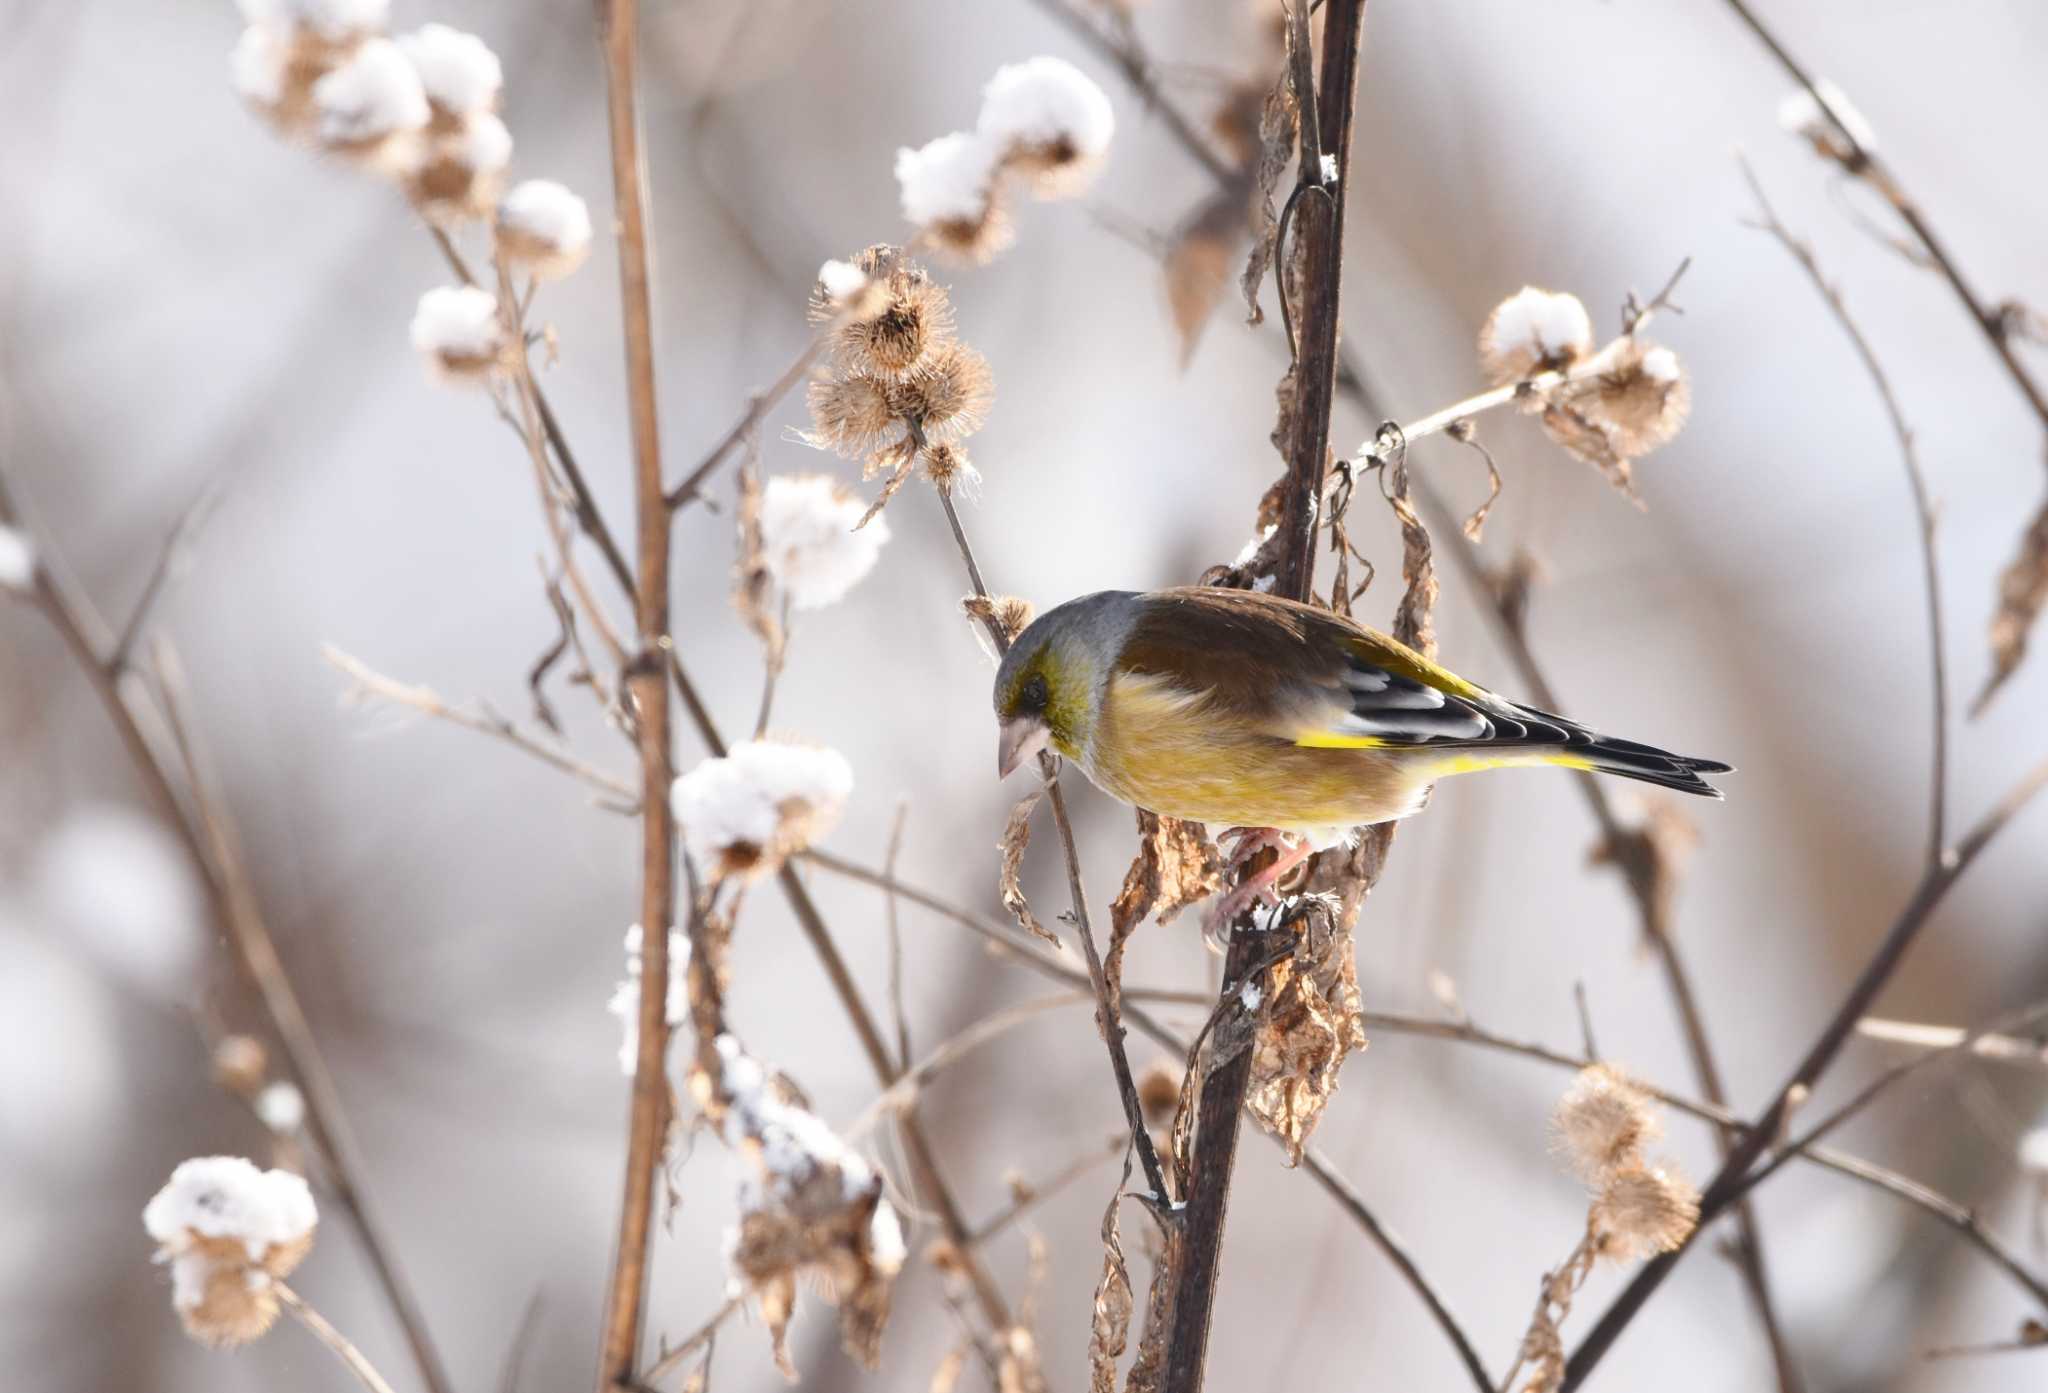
[(1644, 1211), (1534, 331), (1602, 1123), (853, 416), (948, 394), (917, 317), (1642, 400)]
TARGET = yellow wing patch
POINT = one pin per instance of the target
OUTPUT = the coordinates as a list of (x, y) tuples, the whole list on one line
[(1330, 740)]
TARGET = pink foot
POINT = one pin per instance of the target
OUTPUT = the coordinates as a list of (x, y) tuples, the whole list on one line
[(1249, 842)]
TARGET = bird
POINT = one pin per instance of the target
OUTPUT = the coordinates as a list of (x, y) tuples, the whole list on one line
[(1289, 724)]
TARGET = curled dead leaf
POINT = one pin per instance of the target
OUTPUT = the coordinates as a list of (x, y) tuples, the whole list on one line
[(1308, 1024), (1110, 1325), (1016, 837), (1279, 124)]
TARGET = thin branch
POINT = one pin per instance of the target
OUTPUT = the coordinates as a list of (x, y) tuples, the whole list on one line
[(704, 1334), (1728, 1184), (1535, 387), (587, 514), (1865, 1096), (371, 683), (1941, 1037), (1043, 960), (899, 1096), (1107, 1020), (1916, 480), (758, 406), (365, 1372), (175, 541), (1029, 1195), (647, 681), (1864, 163), (893, 922), (234, 910)]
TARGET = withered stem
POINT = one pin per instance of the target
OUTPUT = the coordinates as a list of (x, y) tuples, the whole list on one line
[(647, 684), (1319, 226)]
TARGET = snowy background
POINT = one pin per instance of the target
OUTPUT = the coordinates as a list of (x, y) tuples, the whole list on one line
[(181, 294)]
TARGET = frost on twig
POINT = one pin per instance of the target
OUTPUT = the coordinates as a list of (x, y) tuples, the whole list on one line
[(1043, 124), (765, 800), (809, 1206), (625, 998), (228, 1229)]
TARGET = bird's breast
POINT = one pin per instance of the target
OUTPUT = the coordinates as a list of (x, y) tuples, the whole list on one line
[(1180, 753)]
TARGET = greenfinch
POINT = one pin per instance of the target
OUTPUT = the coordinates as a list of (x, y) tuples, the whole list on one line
[(1245, 710)]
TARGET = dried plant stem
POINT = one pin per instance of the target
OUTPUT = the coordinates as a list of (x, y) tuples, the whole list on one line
[(1865, 164), (344, 1350), (758, 407), (486, 722), (1030, 1196), (1326, 133), (1108, 1019), (647, 683), (703, 1335), (1923, 502), (1538, 386), (231, 905), (1634, 855), (1047, 962), (1728, 1184), (587, 515), (1941, 1037), (899, 1095), (1868, 1094)]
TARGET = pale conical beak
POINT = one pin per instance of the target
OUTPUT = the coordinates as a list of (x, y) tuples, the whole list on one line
[(1023, 737)]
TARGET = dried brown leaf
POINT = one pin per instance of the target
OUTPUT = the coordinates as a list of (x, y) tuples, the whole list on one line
[(1198, 261), (1413, 622), (1279, 124), (1109, 1328), (1148, 1368), (1308, 1024), (1016, 837), (2022, 591)]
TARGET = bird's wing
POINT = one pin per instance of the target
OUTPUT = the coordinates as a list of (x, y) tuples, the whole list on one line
[(1306, 675), (1314, 678)]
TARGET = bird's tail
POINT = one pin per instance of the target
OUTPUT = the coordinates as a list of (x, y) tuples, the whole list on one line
[(1630, 760), (1524, 736)]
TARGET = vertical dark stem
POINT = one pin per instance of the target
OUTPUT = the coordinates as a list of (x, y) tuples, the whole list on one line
[(647, 679), (1319, 224)]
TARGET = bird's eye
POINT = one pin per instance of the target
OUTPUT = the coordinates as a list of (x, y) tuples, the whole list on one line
[(1033, 695)]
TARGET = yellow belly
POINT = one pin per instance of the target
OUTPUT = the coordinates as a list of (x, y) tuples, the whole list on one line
[(1163, 752)]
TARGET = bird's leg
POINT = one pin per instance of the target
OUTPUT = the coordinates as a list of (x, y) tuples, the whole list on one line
[(1249, 842)]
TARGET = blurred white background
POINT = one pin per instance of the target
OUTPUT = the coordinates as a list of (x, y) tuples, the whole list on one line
[(181, 294)]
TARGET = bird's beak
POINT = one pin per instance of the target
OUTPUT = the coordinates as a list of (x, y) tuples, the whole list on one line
[(1022, 738)]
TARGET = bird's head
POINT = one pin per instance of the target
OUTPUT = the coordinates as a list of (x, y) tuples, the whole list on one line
[(1050, 684)]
